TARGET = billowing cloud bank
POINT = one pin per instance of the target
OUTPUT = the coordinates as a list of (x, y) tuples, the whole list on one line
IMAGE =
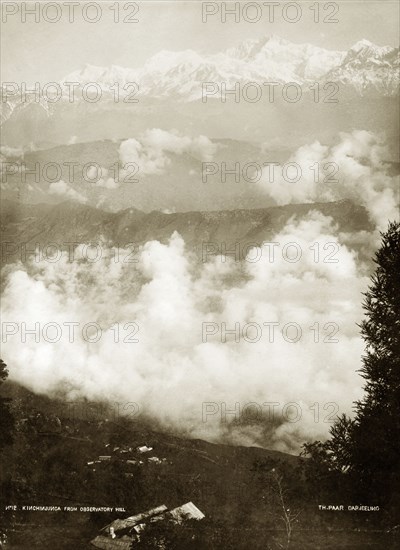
[(63, 189), (178, 377), (150, 152), (355, 167)]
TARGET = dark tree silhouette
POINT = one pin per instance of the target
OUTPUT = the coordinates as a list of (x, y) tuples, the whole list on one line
[(367, 448), (376, 432), (6, 417)]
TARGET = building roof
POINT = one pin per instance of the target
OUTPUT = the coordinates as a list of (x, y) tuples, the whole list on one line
[(187, 511), (144, 449), (120, 524), (180, 514)]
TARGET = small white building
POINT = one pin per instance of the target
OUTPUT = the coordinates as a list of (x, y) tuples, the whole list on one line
[(155, 460), (144, 449)]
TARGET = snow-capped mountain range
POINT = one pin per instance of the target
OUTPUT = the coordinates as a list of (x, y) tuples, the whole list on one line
[(365, 68), (272, 59), (168, 91), (269, 59)]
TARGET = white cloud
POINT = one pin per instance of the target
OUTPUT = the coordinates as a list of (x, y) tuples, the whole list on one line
[(171, 372), (63, 189), (358, 160), (103, 180), (149, 152), (10, 152)]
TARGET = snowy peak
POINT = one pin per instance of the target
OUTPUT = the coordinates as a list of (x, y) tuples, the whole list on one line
[(369, 69), (365, 54), (244, 50), (165, 60), (286, 61), (366, 48), (104, 76), (248, 49)]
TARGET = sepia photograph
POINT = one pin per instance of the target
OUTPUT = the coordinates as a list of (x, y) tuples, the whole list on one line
[(200, 275)]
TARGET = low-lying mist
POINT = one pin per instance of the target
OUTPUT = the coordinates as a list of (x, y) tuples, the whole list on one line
[(259, 352)]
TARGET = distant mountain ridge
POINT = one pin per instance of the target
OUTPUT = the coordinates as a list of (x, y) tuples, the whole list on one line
[(69, 222)]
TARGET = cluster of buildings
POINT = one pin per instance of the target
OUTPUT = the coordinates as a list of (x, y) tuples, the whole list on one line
[(128, 455), (122, 534)]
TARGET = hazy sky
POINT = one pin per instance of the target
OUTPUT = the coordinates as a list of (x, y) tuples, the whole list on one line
[(42, 51)]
